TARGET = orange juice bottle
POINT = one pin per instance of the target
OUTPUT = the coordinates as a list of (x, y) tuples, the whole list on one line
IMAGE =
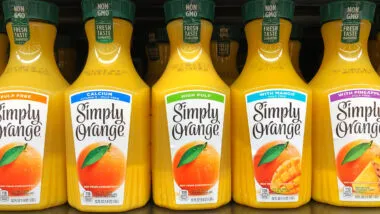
[(107, 117), (271, 115), (295, 47), (224, 51), (32, 146), (66, 57), (4, 47), (346, 99), (157, 51), (190, 116)]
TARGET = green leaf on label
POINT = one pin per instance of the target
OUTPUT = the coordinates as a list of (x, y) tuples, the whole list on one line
[(95, 155), (191, 154), (272, 153), (12, 154), (356, 152)]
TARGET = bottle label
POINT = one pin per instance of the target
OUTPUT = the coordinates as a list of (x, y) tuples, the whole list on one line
[(355, 121), (103, 21), (152, 48), (101, 124), (195, 124), (276, 121), (191, 21), (224, 43), (271, 23), (20, 21), (23, 117), (351, 22)]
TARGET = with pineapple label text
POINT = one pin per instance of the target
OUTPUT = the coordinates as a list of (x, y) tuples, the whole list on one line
[(276, 122), (101, 125), (355, 123), (23, 118), (195, 125)]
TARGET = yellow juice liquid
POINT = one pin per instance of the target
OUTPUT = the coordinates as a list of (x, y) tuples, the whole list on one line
[(4, 47), (226, 65), (109, 68), (156, 64), (294, 51), (344, 67), (32, 69), (189, 68), (268, 68)]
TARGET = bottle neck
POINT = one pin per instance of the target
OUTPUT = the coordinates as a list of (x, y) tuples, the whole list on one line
[(185, 52), (102, 55), (338, 52), (268, 55), (38, 50)]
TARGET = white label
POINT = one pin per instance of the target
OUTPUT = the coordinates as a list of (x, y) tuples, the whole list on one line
[(355, 122), (276, 121), (101, 124), (195, 124), (23, 117)]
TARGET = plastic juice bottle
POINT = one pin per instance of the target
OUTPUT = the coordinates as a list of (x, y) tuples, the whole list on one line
[(224, 51), (191, 158), (346, 96), (32, 146), (157, 51), (66, 57), (271, 115), (4, 47), (295, 48), (107, 117)]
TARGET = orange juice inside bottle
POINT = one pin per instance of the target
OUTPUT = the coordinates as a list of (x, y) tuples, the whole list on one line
[(66, 57), (346, 99), (190, 116), (107, 117), (271, 115), (4, 47), (32, 146), (224, 51), (157, 51), (295, 48)]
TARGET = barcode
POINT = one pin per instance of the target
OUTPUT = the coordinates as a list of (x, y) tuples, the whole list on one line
[(184, 194), (347, 192), (106, 201), (265, 193), (87, 196), (204, 199)]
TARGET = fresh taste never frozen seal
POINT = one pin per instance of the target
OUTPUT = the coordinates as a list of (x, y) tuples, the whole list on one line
[(191, 11)]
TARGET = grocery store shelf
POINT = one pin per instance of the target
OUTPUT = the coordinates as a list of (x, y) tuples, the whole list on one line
[(311, 208)]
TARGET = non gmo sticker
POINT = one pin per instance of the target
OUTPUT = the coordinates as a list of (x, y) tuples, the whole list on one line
[(103, 21), (351, 23), (271, 23), (191, 21), (20, 22)]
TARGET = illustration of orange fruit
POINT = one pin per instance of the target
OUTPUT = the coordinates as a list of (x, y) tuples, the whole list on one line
[(101, 168), (277, 167), (353, 158), (20, 168), (196, 167)]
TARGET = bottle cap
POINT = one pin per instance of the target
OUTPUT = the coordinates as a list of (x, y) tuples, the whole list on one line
[(124, 9), (255, 9), (176, 9)]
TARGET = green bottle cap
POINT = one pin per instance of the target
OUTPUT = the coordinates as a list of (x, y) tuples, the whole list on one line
[(124, 9), (255, 9), (31, 9), (176, 9), (297, 32), (230, 32), (337, 10)]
